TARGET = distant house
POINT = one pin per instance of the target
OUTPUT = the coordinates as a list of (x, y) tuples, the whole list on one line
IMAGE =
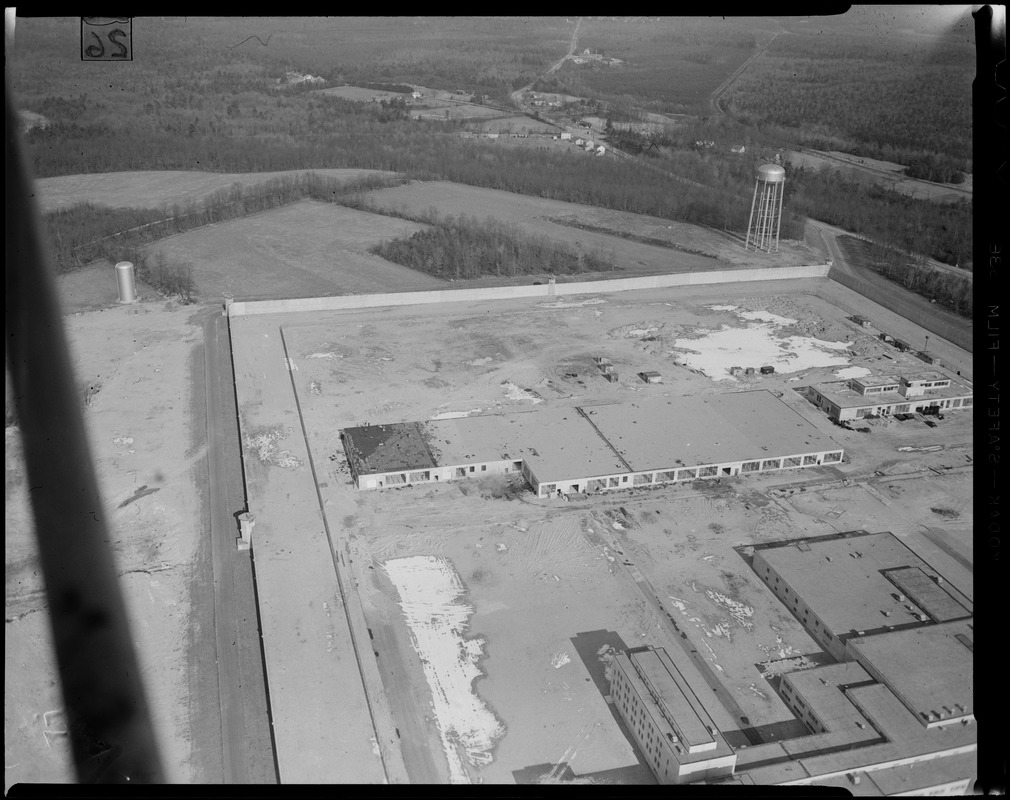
[(566, 135), (601, 150), (590, 143), (491, 135), (589, 147), (416, 95), (578, 60), (651, 376), (738, 148), (587, 52), (580, 142)]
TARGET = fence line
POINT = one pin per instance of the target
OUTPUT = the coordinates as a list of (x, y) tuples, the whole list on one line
[(245, 308)]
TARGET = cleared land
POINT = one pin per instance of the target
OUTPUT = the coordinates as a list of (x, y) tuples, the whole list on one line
[(305, 249), (161, 188), (552, 585), (700, 248), (136, 361), (883, 173)]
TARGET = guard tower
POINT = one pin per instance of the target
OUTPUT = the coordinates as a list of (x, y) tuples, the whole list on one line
[(766, 209)]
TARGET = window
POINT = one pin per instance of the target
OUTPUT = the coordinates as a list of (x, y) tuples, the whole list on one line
[(967, 401), (830, 458), (808, 460), (791, 462), (471, 469), (750, 466), (624, 479), (957, 403), (771, 463), (707, 472), (483, 467)]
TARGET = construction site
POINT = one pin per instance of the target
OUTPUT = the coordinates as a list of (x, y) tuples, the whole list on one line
[(486, 520)]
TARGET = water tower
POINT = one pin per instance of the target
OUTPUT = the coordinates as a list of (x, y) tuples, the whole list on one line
[(766, 208)]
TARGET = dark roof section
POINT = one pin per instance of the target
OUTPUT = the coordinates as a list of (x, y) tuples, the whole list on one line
[(386, 448)]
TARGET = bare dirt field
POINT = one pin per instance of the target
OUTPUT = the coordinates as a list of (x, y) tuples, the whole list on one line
[(161, 188), (548, 586), (535, 215), (360, 94), (133, 365), (306, 249)]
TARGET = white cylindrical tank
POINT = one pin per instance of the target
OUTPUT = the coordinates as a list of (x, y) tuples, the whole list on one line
[(125, 280)]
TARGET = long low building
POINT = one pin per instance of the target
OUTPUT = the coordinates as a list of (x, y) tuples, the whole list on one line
[(596, 448), (883, 395)]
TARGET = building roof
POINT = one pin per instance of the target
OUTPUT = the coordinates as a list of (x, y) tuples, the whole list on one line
[(820, 689), (386, 448), (839, 393), (674, 697), (843, 579), (927, 668), (556, 443), (661, 432)]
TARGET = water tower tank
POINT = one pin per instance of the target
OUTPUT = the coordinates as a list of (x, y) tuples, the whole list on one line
[(766, 208), (125, 281)]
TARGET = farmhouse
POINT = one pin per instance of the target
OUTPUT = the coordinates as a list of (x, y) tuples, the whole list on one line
[(872, 396), (601, 150), (566, 135), (597, 448)]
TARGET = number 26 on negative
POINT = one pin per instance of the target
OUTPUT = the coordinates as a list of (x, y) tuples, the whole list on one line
[(106, 39)]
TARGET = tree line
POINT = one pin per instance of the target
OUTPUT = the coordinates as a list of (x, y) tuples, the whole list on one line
[(85, 233), (948, 290), (466, 247)]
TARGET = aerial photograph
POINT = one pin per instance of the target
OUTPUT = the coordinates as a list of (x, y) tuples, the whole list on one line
[(569, 400)]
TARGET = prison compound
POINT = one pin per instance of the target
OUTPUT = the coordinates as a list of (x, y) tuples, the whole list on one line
[(593, 448)]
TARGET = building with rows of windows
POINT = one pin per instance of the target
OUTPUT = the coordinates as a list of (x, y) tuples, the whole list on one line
[(883, 395)]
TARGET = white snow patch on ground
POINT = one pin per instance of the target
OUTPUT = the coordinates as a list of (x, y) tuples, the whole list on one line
[(852, 372), (756, 345), (431, 596), (324, 355), (513, 392), (560, 658), (723, 308), (740, 612), (457, 414)]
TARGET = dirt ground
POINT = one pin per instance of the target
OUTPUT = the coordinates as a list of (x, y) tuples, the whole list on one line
[(133, 364), (306, 249), (664, 566), (160, 188), (542, 216)]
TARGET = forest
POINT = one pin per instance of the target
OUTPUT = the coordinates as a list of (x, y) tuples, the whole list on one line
[(882, 97), (467, 247)]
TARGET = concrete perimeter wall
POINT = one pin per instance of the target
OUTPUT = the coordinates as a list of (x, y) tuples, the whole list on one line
[(340, 302)]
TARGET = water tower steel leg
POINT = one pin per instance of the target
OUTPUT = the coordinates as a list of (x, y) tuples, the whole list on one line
[(750, 222), (778, 229)]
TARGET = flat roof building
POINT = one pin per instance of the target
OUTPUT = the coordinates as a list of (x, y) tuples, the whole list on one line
[(929, 668), (881, 395), (844, 586), (595, 448), (678, 737)]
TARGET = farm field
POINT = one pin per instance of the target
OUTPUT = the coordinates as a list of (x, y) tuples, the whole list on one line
[(139, 421), (534, 215), (514, 124), (360, 94), (305, 249), (444, 109), (161, 188), (852, 167), (544, 588)]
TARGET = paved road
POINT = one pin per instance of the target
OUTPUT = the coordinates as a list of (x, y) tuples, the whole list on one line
[(245, 738)]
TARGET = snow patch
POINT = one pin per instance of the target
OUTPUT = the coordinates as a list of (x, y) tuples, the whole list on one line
[(456, 414), (514, 392), (431, 596)]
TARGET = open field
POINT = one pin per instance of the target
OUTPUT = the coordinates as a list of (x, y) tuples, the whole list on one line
[(139, 423), (701, 248), (360, 94), (301, 250), (514, 124), (445, 109), (883, 173), (161, 188), (547, 586)]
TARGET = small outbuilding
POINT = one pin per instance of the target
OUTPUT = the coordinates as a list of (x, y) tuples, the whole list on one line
[(651, 377), (767, 370)]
